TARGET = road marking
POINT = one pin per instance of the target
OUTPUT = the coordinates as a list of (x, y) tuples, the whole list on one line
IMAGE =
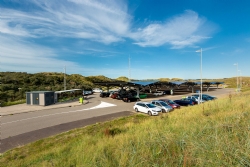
[(102, 105)]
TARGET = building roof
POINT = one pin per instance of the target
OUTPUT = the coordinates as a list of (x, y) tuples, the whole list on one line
[(71, 90), (154, 82), (40, 91)]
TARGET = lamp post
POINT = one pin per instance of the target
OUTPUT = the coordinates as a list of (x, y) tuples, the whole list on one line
[(64, 80), (201, 75), (129, 72), (236, 64)]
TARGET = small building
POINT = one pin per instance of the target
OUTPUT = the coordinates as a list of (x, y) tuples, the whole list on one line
[(42, 98)]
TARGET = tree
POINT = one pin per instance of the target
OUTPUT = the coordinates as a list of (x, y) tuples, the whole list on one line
[(122, 78)]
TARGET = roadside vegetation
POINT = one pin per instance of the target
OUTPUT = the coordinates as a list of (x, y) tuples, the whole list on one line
[(10, 103), (14, 85), (216, 133)]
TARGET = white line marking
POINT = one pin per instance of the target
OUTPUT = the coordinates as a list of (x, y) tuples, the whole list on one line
[(102, 105)]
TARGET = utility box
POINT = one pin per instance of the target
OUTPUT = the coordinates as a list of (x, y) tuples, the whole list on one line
[(42, 98)]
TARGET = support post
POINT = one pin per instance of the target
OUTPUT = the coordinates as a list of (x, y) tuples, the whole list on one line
[(138, 92)]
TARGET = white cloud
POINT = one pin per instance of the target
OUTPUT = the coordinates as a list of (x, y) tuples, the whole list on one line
[(19, 55), (105, 22), (181, 31)]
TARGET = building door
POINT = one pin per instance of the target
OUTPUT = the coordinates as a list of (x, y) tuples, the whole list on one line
[(35, 98), (27, 98)]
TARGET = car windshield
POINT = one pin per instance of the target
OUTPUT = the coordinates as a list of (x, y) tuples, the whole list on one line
[(150, 105), (171, 102), (164, 104)]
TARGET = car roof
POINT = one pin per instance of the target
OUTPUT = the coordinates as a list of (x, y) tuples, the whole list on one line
[(142, 102), (157, 101)]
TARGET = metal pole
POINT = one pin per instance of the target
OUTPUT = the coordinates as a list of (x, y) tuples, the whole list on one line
[(129, 72), (64, 77), (201, 74), (200, 94)]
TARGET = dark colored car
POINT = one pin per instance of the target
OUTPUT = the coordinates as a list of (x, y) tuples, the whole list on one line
[(87, 92), (171, 103), (127, 95), (114, 95), (185, 102), (205, 97), (104, 94), (166, 92), (130, 99)]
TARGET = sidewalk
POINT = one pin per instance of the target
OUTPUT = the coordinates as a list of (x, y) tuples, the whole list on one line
[(22, 108)]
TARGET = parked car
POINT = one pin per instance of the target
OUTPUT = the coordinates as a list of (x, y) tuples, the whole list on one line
[(163, 105), (130, 99), (158, 93), (185, 102), (87, 92), (195, 98), (97, 90), (104, 94), (112, 92), (166, 92), (114, 95), (209, 96), (171, 103), (146, 107), (143, 95), (205, 97)]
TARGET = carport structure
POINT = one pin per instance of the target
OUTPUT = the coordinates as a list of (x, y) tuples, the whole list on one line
[(157, 84)]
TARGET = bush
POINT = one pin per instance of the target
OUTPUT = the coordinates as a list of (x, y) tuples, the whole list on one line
[(4, 104)]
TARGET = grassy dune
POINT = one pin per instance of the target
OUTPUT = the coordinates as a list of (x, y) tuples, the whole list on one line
[(216, 133)]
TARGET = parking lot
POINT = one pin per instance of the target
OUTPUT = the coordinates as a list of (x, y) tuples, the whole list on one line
[(28, 126)]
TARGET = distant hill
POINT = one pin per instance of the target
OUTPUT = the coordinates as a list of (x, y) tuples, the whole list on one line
[(13, 85)]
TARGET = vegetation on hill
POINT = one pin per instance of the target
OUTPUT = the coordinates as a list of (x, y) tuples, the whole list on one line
[(122, 78), (216, 133), (13, 85)]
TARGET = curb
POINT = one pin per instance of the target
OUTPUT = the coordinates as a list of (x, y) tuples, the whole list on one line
[(7, 114)]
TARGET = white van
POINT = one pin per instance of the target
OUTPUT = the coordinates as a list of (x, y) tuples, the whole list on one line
[(97, 90)]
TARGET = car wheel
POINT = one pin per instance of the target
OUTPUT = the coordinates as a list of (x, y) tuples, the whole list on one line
[(163, 111), (136, 110), (149, 113)]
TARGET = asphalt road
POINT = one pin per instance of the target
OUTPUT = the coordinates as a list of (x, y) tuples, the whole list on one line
[(20, 129)]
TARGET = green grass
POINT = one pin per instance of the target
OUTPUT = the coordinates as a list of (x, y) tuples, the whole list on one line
[(66, 99), (10, 103), (216, 133)]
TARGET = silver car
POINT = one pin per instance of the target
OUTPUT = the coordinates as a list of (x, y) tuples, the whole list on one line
[(163, 105)]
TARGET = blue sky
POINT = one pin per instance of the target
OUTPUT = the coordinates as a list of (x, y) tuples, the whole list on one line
[(92, 37)]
